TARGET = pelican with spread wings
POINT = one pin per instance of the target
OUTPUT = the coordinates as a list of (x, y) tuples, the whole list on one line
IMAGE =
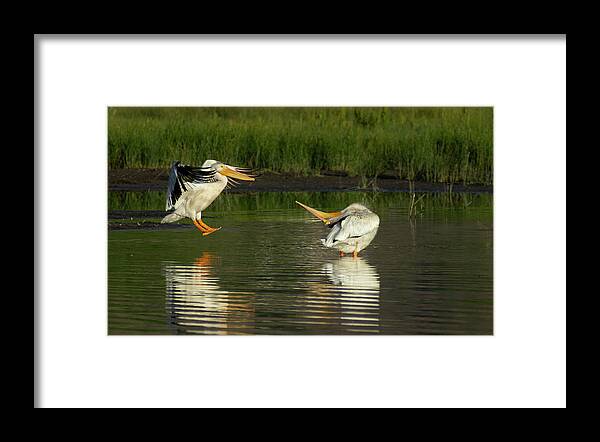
[(352, 229), (192, 189)]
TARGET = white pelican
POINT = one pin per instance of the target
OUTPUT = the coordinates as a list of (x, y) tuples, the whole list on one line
[(193, 189), (352, 229)]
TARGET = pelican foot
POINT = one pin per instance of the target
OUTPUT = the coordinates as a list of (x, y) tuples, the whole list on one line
[(212, 230)]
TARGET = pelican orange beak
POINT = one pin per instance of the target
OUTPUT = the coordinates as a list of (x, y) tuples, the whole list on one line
[(323, 216), (234, 172)]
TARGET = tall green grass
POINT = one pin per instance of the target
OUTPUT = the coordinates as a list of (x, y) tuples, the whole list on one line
[(433, 144)]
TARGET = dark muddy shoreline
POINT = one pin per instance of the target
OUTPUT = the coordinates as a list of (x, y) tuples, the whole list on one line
[(141, 180)]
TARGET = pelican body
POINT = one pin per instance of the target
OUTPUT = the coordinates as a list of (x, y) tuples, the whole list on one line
[(192, 189), (352, 229)]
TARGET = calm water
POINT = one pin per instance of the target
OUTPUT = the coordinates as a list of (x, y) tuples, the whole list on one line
[(266, 272)]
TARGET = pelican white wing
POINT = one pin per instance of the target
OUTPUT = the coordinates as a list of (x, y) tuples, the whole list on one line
[(351, 225), (183, 177)]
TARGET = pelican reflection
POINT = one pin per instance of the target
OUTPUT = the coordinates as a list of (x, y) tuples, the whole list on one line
[(196, 303), (352, 292)]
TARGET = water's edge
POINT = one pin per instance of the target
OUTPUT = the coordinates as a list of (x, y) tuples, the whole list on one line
[(140, 180)]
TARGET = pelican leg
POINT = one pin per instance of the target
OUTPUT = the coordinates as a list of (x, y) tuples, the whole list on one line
[(354, 254), (342, 253), (207, 229)]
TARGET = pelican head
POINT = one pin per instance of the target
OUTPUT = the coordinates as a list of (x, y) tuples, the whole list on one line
[(326, 217), (354, 207), (229, 171), (332, 217)]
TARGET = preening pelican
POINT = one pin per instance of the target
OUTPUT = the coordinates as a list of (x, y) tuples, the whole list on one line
[(352, 229), (192, 189)]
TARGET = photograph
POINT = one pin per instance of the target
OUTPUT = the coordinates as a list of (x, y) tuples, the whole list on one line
[(300, 220), (342, 221)]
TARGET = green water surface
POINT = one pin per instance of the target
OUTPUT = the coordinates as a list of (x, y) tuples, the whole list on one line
[(266, 271)]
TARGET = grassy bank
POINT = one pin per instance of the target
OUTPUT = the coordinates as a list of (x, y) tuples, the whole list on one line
[(426, 144)]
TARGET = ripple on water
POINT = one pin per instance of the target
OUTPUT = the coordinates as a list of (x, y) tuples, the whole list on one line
[(273, 276)]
